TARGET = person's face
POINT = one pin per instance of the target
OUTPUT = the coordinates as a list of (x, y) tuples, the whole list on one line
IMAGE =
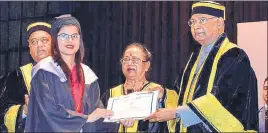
[(205, 28), (264, 92), (134, 65), (40, 45), (68, 40)]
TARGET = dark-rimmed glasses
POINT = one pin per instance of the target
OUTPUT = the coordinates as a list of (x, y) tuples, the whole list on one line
[(202, 20), (134, 60)]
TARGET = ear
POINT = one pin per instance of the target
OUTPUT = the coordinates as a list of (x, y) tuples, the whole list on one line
[(148, 64), (28, 43), (220, 22)]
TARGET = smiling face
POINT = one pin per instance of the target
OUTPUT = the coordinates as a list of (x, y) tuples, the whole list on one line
[(207, 28), (134, 64), (40, 45), (68, 40)]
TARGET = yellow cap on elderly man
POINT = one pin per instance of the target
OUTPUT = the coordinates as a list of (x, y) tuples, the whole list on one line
[(37, 26), (209, 7)]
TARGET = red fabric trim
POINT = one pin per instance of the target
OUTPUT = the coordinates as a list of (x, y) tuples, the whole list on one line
[(77, 90)]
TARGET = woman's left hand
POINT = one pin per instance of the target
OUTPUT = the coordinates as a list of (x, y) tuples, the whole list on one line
[(160, 89), (127, 122)]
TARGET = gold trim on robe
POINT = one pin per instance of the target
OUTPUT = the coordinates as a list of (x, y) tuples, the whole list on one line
[(12, 113), (171, 101), (218, 116), (11, 118), (26, 71)]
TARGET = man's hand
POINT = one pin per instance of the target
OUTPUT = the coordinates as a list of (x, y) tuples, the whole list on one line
[(164, 114), (160, 89), (25, 106), (127, 122), (99, 113)]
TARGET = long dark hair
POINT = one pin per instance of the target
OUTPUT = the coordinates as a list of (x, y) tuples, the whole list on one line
[(79, 55)]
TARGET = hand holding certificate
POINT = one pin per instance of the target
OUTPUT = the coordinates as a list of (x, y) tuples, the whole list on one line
[(137, 105)]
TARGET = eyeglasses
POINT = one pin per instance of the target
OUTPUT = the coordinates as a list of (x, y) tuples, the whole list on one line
[(202, 21), (134, 60), (34, 41), (65, 37)]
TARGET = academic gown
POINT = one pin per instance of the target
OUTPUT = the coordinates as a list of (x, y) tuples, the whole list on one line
[(14, 85), (223, 96), (51, 105)]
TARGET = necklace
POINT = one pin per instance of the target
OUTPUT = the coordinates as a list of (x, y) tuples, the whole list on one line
[(144, 84)]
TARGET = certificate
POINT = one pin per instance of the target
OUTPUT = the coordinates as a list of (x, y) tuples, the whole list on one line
[(137, 105)]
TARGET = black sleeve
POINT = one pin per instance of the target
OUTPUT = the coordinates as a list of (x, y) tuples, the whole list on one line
[(105, 97), (12, 91), (236, 87)]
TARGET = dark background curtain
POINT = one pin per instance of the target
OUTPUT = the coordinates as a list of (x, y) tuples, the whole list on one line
[(109, 26)]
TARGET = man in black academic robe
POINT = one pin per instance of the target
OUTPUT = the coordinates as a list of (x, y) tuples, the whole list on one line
[(218, 87), (15, 86)]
